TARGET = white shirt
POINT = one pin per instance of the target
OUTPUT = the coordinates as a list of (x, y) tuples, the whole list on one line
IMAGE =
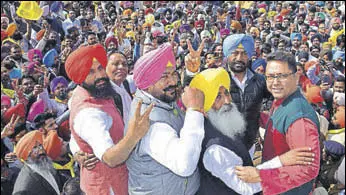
[(221, 162), (241, 84), (126, 100), (178, 152)]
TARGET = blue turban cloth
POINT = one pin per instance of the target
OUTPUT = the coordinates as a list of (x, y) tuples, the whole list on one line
[(184, 28), (339, 54), (257, 63), (334, 148), (56, 6), (54, 83), (233, 41), (49, 57), (294, 35)]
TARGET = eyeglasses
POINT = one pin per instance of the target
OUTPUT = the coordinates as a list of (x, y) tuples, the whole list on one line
[(280, 77)]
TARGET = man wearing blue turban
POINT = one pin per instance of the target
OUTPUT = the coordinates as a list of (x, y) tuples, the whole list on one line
[(250, 88)]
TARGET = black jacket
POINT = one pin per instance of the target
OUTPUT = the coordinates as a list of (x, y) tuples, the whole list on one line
[(249, 103), (28, 182)]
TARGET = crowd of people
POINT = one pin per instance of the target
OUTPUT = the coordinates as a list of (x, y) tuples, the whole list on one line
[(164, 97)]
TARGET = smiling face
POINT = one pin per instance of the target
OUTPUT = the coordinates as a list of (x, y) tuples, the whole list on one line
[(284, 86), (117, 68)]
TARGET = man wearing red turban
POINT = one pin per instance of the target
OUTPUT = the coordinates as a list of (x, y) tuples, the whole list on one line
[(37, 175), (96, 123)]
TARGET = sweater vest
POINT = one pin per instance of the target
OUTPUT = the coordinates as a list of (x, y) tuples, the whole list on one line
[(102, 178), (146, 175)]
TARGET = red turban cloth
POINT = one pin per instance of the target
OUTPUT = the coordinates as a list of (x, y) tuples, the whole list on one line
[(27, 143), (313, 94), (199, 23), (40, 34), (150, 67), (52, 143), (79, 62), (4, 35), (5, 100), (18, 109), (111, 39), (148, 11)]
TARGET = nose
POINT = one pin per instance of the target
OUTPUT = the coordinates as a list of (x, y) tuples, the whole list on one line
[(227, 99)]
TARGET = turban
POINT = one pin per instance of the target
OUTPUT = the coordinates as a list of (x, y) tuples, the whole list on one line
[(185, 28), (64, 130), (310, 64), (340, 116), (225, 31), (36, 109), (334, 148), (32, 52), (29, 10), (262, 5), (313, 94), (133, 15), (233, 41), (18, 110), (271, 14), (5, 100), (56, 6), (199, 23), (284, 12), (150, 67), (320, 3), (321, 15), (130, 34), (149, 11), (49, 57), (259, 62), (27, 143), (339, 98), (79, 62), (254, 29), (146, 24), (127, 12), (31, 66), (54, 83), (111, 39), (262, 10), (236, 25), (339, 54), (327, 45), (303, 54), (52, 143), (209, 82), (280, 18), (4, 35), (11, 29), (294, 35), (158, 33), (335, 20), (40, 34)]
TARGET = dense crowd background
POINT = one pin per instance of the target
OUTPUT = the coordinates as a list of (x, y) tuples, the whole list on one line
[(38, 37)]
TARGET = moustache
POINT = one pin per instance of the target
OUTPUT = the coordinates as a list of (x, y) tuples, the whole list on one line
[(170, 87), (239, 62), (101, 79)]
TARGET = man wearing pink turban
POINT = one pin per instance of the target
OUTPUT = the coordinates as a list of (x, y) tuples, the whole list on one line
[(34, 55), (169, 152)]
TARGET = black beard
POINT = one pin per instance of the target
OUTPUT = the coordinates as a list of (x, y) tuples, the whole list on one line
[(300, 22), (168, 99), (106, 91), (62, 95), (336, 27), (17, 36), (338, 63), (237, 66)]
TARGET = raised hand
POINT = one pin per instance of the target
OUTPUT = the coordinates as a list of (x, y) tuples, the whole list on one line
[(86, 160), (139, 124), (9, 128), (193, 59), (193, 98)]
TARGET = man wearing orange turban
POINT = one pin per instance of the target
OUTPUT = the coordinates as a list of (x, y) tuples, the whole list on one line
[(96, 124), (37, 175)]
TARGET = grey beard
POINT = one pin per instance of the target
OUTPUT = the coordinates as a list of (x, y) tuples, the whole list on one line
[(45, 169), (228, 120)]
